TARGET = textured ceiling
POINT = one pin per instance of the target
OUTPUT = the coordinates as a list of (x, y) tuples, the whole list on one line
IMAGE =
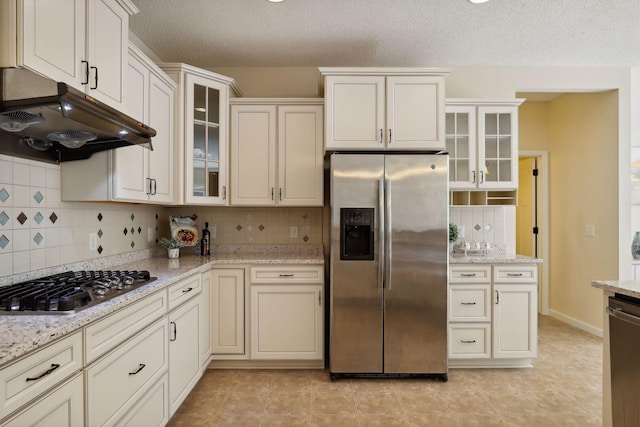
[(445, 33)]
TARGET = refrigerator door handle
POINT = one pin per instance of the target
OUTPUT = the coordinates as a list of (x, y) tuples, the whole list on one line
[(379, 229), (387, 231)]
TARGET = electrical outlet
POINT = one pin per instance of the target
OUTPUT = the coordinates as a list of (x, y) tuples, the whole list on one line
[(213, 232), (293, 232), (461, 231), (93, 241), (150, 234), (590, 230)]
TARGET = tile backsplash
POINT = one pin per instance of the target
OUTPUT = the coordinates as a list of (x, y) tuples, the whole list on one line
[(491, 224), (39, 231)]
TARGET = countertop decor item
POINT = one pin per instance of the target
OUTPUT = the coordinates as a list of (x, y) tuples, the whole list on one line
[(635, 246), (185, 229), (453, 232), (172, 246)]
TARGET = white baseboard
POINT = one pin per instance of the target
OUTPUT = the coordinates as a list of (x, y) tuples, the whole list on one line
[(576, 323)]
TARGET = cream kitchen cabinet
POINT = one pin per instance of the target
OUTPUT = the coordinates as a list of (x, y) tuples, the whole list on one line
[(482, 142), (287, 313), (63, 406), (80, 42), (515, 312), (384, 108), (203, 135), (276, 152), (184, 356), (133, 173), (205, 323), (228, 309), (492, 315)]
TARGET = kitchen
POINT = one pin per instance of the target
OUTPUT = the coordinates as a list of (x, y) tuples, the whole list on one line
[(66, 238)]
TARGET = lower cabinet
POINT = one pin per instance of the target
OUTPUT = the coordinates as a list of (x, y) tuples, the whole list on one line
[(228, 311), (62, 407), (492, 315), (117, 381), (151, 410), (286, 322), (184, 360)]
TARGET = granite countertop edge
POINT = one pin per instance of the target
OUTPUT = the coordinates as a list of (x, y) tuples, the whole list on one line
[(493, 259), (626, 287), (23, 334)]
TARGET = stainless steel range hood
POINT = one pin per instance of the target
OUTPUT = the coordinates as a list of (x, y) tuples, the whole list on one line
[(59, 121)]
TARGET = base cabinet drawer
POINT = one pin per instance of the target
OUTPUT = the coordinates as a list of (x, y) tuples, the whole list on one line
[(472, 341), (63, 407), (33, 375), (152, 410), (470, 303), (184, 290), (120, 379)]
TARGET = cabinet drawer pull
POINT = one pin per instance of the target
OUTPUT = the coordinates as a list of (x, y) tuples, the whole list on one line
[(184, 291), (175, 331), (468, 341), (468, 303), (381, 136), (514, 274), (286, 275), (54, 366), (468, 274), (140, 368)]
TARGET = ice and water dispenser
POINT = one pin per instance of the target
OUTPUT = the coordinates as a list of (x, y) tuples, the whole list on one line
[(356, 233)]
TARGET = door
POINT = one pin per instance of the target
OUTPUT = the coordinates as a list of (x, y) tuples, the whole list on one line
[(460, 136), (184, 361), (416, 270), (526, 237), (498, 147), (356, 284), (515, 321), (161, 159), (227, 311)]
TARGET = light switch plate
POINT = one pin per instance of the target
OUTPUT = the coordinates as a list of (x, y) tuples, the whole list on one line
[(590, 230), (293, 232), (93, 241)]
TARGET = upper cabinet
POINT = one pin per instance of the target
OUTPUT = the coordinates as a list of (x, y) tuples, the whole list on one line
[(79, 42), (482, 141), (276, 152), (133, 173), (384, 108), (203, 102)]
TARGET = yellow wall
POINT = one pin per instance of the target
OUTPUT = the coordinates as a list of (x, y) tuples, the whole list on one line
[(580, 133)]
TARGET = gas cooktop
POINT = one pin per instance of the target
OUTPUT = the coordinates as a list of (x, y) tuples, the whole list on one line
[(69, 292)]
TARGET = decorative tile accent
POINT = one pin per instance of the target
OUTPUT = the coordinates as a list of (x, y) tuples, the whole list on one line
[(250, 239), (139, 230), (133, 230), (100, 216), (238, 227), (261, 227), (305, 238), (488, 227), (38, 197), (21, 218), (305, 216), (4, 195), (132, 244), (250, 228), (249, 216), (38, 218), (100, 249), (100, 233), (3, 217), (477, 227), (38, 238), (132, 216), (125, 231), (53, 217), (156, 216), (4, 241)]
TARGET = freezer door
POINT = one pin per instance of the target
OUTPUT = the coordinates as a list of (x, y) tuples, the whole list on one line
[(417, 236), (356, 290)]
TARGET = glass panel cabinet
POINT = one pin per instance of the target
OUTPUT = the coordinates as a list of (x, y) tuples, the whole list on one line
[(482, 141), (205, 97)]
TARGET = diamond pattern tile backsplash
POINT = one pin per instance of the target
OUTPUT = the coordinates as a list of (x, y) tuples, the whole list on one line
[(38, 230), (493, 224)]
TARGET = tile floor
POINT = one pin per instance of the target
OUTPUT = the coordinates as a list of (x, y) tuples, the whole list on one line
[(562, 389)]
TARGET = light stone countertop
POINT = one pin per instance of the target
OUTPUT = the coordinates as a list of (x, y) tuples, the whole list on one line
[(626, 287), (24, 333), (498, 258)]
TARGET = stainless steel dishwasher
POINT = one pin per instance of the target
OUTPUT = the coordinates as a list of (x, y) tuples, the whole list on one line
[(624, 348)]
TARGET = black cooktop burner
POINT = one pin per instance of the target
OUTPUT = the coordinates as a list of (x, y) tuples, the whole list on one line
[(69, 292)]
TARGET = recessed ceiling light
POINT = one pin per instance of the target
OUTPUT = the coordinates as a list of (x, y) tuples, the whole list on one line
[(478, 1), (274, 1)]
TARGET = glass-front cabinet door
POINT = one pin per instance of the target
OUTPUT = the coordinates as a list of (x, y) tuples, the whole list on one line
[(460, 137), (498, 147), (206, 141)]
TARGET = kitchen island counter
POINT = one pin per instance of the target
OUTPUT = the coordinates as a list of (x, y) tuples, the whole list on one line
[(625, 287), (25, 333)]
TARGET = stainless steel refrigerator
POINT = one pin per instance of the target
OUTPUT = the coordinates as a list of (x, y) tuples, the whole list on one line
[(389, 263)]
